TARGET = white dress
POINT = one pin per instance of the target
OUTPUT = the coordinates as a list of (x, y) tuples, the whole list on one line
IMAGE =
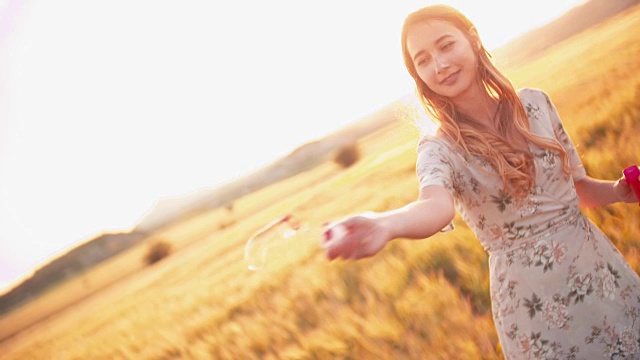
[(559, 288)]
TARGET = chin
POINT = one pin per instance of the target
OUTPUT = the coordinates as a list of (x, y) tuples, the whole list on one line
[(458, 91)]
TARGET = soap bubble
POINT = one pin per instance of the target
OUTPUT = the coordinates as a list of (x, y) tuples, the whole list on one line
[(257, 249)]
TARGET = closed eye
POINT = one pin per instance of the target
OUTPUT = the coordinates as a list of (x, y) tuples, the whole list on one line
[(423, 60), (447, 46)]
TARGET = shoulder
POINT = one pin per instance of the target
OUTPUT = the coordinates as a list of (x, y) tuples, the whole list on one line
[(533, 95), (431, 143), (437, 150)]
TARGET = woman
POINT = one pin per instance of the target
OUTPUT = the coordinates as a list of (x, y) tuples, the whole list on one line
[(559, 288)]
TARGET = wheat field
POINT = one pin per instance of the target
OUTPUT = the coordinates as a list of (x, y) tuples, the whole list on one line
[(414, 300)]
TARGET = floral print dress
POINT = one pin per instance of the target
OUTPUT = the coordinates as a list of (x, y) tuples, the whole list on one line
[(559, 288)]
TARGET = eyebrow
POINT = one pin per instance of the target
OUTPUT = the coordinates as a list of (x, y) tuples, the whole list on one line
[(440, 39)]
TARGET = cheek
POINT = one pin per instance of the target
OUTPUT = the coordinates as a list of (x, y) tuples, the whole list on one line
[(427, 76), (467, 56)]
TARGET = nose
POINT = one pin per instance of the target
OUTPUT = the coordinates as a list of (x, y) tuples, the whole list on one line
[(441, 64)]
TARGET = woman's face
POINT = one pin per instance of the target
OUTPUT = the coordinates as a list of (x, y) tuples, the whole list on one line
[(444, 58)]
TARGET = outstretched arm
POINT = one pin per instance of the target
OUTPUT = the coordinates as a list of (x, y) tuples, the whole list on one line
[(368, 233), (593, 192)]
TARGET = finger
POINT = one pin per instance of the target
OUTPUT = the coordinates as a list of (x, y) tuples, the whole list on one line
[(333, 240), (344, 239), (334, 234), (344, 246), (341, 247), (334, 248), (350, 248), (357, 234), (333, 252)]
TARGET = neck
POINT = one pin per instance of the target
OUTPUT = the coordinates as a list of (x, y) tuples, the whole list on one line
[(477, 105)]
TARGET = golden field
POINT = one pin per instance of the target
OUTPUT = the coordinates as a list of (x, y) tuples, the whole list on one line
[(414, 300)]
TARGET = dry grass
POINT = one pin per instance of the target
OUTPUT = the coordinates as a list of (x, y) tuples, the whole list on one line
[(414, 298)]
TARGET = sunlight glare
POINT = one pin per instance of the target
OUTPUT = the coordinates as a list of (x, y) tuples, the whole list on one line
[(117, 105)]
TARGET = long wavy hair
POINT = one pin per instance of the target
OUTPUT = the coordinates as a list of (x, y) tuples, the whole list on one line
[(515, 166)]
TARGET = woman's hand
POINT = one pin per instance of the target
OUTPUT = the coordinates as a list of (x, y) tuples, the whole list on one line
[(624, 192), (357, 237)]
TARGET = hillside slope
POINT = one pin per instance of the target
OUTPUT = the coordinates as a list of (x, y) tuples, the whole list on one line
[(535, 42)]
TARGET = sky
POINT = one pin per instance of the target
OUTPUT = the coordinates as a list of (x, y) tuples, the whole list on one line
[(107, 107)]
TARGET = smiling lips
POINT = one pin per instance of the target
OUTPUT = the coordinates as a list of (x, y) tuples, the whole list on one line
[(450, 79)]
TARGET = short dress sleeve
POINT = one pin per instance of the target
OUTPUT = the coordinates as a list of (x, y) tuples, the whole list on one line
[(577, 169), (433, 166)]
